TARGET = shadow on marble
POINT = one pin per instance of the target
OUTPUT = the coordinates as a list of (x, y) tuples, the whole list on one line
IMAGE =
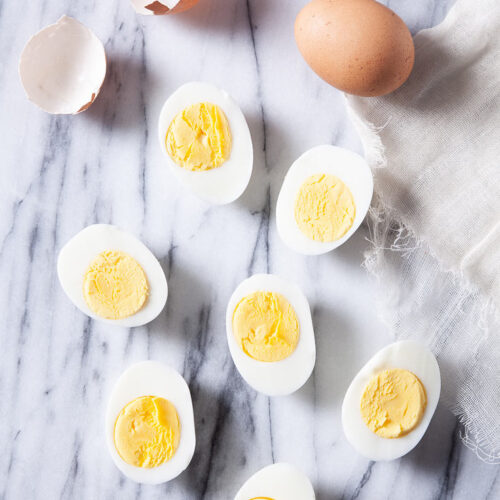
[(324, 494), (252, 198), (352, 251), (121, 103), (187, 302), (267, 175), (224, 427), (213, 16), (433, 451), (336, 361)]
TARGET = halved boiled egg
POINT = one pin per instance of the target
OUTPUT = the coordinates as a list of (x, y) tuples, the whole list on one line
[(206, 141), (270, 334), (158, 8), (323, 200), (390, 403), (111, 276), (277, 482), (62, 67), (150, 424)]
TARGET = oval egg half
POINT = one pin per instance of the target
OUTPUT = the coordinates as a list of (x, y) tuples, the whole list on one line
[(77, 255), (406, 355), (280, 481), (151, 378), (341, 163), (276, 378), (226, 182)]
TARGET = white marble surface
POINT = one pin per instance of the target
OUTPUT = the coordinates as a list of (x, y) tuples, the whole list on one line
[(60, 174)]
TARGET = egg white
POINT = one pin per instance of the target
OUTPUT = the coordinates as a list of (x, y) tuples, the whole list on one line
[(280, 481), (283, 377), (349, 167), (226, 183), (76, 256), (150, 378), (408, 355)]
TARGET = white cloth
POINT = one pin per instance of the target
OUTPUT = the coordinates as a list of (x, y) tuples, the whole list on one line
[(436, 217)]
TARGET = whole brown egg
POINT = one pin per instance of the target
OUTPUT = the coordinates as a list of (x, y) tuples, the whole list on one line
[(358, 46)]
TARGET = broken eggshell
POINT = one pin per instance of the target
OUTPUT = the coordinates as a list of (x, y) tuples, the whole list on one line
[(150, 7), (62, 67)]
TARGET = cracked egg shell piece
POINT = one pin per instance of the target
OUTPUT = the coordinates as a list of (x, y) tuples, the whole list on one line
[(157, 8), (62, 67)]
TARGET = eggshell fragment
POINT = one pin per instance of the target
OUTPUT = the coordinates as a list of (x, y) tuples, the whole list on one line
[(358, 46), (62, 67), (157, 8)]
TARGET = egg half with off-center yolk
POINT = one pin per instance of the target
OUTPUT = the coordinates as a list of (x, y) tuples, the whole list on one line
[(149, 423), (112, 277), (280, 481), (390, 403), (324, 198), (206, 141), (270, 334)]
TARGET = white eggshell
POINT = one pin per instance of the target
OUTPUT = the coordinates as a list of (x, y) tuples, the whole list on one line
[(151, 378), (62, 67), (278, 481), (349, 167), (283, 377), (156, 7), (408, 355), (76, 256), (226, 183)]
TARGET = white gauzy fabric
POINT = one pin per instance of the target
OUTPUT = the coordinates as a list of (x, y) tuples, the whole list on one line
[(435, 222)]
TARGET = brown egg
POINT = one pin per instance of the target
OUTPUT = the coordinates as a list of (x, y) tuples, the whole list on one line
[(358, 46)]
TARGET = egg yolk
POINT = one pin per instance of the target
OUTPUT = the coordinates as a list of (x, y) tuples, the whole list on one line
[(393, 403), (199, 137), (147, 432), (115, 286), (324, 208), (265, 326)]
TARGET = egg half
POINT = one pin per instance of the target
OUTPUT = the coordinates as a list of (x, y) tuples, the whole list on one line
[(152, 379), (324, 198), (206, 142), (280, 481), (103, 256), (402, 384), (257, 305)]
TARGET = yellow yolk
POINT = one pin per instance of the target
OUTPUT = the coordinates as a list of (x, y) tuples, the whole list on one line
[(199, 137), (262, 498), (393, 403), (324, 208), (115, 285), (265, 326), (147, 432)]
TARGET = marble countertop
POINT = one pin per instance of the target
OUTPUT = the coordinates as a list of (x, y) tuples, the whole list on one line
[(60, 174)]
